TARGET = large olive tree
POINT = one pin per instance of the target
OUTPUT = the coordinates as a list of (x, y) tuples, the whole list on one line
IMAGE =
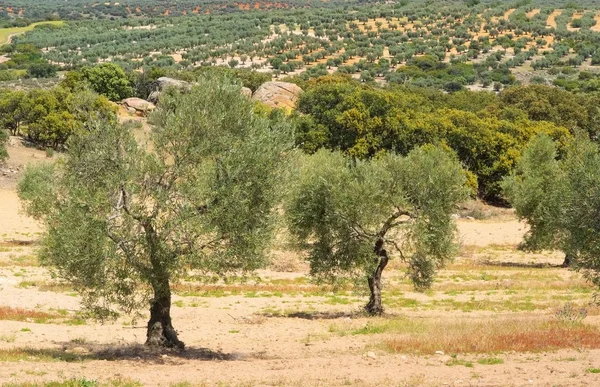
[(354, 215), (124, 220)]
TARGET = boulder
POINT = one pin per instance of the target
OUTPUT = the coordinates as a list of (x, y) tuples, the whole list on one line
[(247, 92), (154, 97), (278, 94), (140, 105), (165, 82)]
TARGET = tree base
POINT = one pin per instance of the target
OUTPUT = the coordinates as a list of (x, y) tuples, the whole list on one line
[(373, 309), (164, 337)]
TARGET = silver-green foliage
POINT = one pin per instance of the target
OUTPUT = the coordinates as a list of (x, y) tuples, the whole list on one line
[(560, 199), (125, 219), (536, 190), (350, 213)]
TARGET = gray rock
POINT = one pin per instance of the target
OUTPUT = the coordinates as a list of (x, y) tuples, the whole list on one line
[(154, 97), (165, 82)]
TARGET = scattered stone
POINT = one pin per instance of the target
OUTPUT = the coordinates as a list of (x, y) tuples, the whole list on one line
[(439, 352), (371, 355), (278, 94)]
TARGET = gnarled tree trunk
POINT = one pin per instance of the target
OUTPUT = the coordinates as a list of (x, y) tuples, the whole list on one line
[(374, 306), (160, 329)]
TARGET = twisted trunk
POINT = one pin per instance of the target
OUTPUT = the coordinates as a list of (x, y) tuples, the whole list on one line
[(160, 329), (374, 306)]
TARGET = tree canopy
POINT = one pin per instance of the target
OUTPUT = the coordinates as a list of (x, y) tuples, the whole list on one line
[(198, 197), (557, 196), (354, 215)]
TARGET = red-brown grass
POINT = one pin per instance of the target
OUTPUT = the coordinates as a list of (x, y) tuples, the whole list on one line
[(18, 314), (501, 335)]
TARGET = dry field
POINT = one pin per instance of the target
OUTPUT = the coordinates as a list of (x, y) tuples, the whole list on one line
[(489, 320)]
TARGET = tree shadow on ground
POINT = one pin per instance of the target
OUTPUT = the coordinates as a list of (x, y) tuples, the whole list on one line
[(75, 352), (333, 315), (531, 265)]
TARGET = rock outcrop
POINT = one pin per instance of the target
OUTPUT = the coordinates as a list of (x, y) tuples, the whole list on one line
[(163, 83), (278, 94), (138, 106)]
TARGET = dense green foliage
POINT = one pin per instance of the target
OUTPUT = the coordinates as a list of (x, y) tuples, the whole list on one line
[(487, 132), (109, 80), (49, 117), (354, 216), (200, 199), (443, 44)]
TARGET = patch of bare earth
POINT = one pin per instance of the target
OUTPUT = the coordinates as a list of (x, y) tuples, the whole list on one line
[(596, 27), (552, 18)]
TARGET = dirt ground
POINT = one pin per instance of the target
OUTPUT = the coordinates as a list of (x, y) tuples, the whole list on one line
[(283, 331)]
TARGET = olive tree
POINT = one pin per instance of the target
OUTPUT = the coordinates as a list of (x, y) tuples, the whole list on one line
[(354, 215), (536, 190), (560, 200), (125, 219)]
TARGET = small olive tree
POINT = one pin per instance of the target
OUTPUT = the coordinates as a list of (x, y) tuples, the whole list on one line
[(124, 220), (353, 215)]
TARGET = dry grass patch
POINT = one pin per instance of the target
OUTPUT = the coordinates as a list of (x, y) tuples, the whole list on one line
[(18, 314), (269, 289), (494, 336), (57, 287)]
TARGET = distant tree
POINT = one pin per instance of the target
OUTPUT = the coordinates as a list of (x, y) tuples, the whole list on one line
[(109, 80), (42, 70), (353, 215), (201, 198), (233, 63)]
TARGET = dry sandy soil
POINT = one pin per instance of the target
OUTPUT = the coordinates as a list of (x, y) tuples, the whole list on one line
[(284, 331)]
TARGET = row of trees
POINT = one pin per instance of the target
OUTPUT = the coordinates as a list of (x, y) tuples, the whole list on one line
[(204, 198), (289, 42)]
